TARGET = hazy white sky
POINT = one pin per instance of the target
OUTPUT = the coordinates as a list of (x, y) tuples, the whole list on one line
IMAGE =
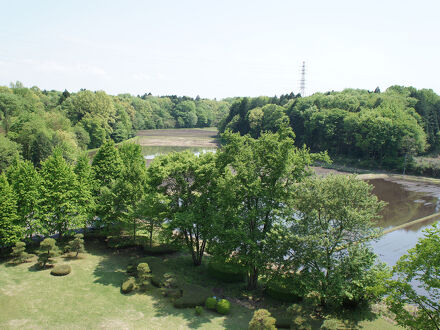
[(219, 48)]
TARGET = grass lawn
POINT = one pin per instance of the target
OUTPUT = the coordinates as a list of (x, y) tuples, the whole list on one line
[(90, 296)]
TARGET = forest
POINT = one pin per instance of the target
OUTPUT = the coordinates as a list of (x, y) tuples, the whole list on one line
[(34, 122), (377, 129)]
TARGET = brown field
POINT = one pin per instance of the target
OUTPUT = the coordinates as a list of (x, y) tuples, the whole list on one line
[(178, 137)]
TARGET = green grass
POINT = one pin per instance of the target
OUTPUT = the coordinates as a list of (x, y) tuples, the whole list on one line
[(90, 297)]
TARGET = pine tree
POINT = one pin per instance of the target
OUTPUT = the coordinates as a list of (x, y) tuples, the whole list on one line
[(48, 250), (77, 244), (25, 181), (59, 195), (10, 231), (19, 254)]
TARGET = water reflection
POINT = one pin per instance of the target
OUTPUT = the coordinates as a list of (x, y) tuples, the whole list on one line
[(407, 201)]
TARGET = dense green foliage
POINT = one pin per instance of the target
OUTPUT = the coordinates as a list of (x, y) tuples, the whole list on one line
[(420, 265), (36, 121), (381, 128), (61, 270), (77, 244), (262, 320), (48, 250), (223, 307), (211, 303), (10, 231), (19, 253)]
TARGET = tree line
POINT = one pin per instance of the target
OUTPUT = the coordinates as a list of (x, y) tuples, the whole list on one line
[(381, 128), (35, 121)]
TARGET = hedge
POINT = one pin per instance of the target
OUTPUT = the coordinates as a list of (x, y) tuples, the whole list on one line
[(224, 307), (226, 271), (285, 289), (160, 249)]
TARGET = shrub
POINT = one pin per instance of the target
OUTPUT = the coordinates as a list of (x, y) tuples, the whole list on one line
[(283, 322), (224, 307), (193, 295), (312, 299), (129, 285), (132, 270), (61, 270), (211, 303), (332, 324), (262, 320), (285, 289), (169, 281), (143, 271), (160, 249), (300, 323), (172, 293), (156, 280), (19, 254), (226, 271), (199, 310)]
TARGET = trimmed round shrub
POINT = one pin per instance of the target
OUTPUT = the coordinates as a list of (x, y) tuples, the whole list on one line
[(211, 303), (224, 307), (169, 281), (199, 310), (61, 270), (262, 320), (331, 324), (226, 271), (128, 285), (193, 295), (285, 289)]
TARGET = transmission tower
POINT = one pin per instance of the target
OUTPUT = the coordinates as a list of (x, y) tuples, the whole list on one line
[(302, 83)]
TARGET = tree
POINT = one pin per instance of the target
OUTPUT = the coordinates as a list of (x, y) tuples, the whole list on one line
[(77, 244), (84, 175), (128, 189), (59, 207), (25, 181), (262, 320), (255, 189), (10, 231), (188, 182), (420, 268), (48, 250), (19, 254), (333, 218), (9, 150), (106, 164)]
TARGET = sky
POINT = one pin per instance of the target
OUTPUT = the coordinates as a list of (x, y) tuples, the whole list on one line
[(222, 48)]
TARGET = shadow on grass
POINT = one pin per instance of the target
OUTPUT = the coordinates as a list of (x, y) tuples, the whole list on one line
[(111, 269), (237, 319), (351, 317)]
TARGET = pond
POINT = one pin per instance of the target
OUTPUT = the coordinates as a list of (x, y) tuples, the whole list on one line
[(407, 201)]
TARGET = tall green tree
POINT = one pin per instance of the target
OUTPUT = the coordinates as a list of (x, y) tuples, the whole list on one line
[(106, 164), (59, 207), (9, 150), (332, 220), (189, 183), (84, 175), (10, 231), (256, 187), (420, 267), (128, 189), (26, 181)]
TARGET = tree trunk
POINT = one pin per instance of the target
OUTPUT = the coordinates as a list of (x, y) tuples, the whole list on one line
[(151, 236), (252, 278)]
